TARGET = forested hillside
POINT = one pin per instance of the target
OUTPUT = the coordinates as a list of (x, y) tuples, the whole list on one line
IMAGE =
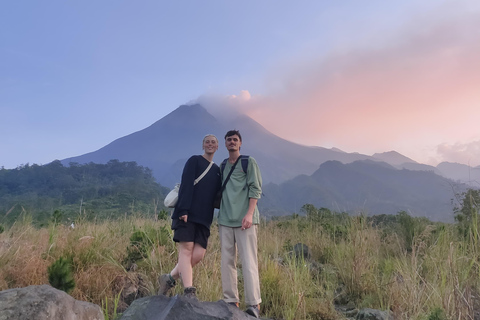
[(88, 191), (368, 187)]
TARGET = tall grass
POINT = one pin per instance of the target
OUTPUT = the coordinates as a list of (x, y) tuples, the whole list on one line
[(430, 274)]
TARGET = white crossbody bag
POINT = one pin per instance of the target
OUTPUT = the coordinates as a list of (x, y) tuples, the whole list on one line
[(172, 197)]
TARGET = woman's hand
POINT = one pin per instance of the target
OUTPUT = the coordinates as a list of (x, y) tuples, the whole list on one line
[(184, 218)]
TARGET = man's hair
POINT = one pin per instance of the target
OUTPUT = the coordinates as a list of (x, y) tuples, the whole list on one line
[(232, 133)]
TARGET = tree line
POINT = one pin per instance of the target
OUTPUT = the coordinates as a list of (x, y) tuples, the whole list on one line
[(88, 190)]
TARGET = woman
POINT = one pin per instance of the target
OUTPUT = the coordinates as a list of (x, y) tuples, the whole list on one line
[(192, 216)]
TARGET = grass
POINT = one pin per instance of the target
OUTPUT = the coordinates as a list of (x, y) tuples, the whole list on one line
[(432, 275)]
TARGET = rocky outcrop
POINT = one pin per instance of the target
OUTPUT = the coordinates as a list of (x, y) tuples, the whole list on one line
[(181, 308), (45, 303)]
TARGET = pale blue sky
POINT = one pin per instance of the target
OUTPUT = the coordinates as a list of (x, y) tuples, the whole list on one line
[(76, 75)]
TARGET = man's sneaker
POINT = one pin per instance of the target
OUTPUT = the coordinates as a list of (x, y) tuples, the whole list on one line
[(254, 311), (190, 292), (166, 282), (235, 304)]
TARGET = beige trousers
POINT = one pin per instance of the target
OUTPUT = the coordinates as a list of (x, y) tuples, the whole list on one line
[(246, 242)]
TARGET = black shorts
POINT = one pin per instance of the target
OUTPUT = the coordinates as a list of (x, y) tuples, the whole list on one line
[(191, 232)]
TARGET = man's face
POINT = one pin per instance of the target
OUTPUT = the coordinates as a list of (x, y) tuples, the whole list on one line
[(233, 143)]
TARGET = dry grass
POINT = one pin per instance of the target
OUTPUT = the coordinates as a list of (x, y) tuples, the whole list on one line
[(375, 270)]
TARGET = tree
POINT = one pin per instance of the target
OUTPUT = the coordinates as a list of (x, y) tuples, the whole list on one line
[(57, 217), (467, 215)]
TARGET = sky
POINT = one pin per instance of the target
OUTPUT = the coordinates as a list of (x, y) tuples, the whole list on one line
[(361, 76)]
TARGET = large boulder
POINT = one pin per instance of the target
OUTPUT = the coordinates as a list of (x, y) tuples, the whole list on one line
[(181, 308), (45, 303)]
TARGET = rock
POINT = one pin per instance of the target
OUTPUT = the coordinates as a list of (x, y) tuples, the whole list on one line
[(373, 314), (301, 251), (45, 303), (181, 308), (349, 311), (341, 295), (130, 286)]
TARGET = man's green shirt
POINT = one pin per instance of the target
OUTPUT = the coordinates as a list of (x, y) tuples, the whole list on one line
[(238, 191)]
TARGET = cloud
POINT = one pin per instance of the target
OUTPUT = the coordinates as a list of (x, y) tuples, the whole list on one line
[(244, 96), (467, 153), (418, 88), (410, 92), (226, 107)]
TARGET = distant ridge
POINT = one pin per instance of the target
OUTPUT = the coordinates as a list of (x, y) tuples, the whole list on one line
[(366, 187), (460, 172)]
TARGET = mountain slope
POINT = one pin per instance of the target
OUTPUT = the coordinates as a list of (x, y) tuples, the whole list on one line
[(365, 186), (168, 143), (460, 172)]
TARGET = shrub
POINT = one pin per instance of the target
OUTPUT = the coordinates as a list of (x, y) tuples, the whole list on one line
[(143, 241), (437, 314), (60, 275), (57, 217), (163, 215)]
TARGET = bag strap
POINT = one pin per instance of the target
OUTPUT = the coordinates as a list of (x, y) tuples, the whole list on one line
[(244, 160), (203, 174), (229, 174)]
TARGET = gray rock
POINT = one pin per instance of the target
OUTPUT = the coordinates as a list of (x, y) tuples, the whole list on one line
[(301, 251), (181, 308), (45, 303), (373, 314), (349, 311), (131, 286)]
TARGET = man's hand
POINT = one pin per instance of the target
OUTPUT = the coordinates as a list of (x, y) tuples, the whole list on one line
[(247, 221), (184, 218)]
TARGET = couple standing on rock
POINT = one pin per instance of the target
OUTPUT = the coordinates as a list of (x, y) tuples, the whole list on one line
[(238, 220)]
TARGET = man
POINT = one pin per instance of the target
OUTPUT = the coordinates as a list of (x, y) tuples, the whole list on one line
[(238, 221)]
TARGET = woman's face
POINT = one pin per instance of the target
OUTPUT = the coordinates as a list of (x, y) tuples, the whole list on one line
[(210, 144)]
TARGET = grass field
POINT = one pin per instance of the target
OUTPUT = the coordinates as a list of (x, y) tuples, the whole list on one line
[(417, 270)]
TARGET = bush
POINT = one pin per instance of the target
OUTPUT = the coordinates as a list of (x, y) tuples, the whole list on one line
[(60, 275), (163, 215), (143, 241)]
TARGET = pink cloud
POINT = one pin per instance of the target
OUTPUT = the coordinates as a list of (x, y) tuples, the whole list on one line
[(420, 89), (467, 153)]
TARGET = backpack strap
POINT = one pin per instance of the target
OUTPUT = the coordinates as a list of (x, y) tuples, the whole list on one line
[(229, 174), (243, 159)]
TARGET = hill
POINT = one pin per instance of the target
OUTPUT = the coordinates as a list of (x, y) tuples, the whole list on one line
[(91, 191), (365, 187)]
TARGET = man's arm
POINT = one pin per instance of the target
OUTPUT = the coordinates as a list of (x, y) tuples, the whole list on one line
[(254, 183)]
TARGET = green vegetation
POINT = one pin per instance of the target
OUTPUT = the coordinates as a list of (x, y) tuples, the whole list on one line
[(415, 268), (60, 275), (467, 214), (56, 194)]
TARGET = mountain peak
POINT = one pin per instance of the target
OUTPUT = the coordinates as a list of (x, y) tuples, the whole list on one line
[(187, 116), (393, 157)]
